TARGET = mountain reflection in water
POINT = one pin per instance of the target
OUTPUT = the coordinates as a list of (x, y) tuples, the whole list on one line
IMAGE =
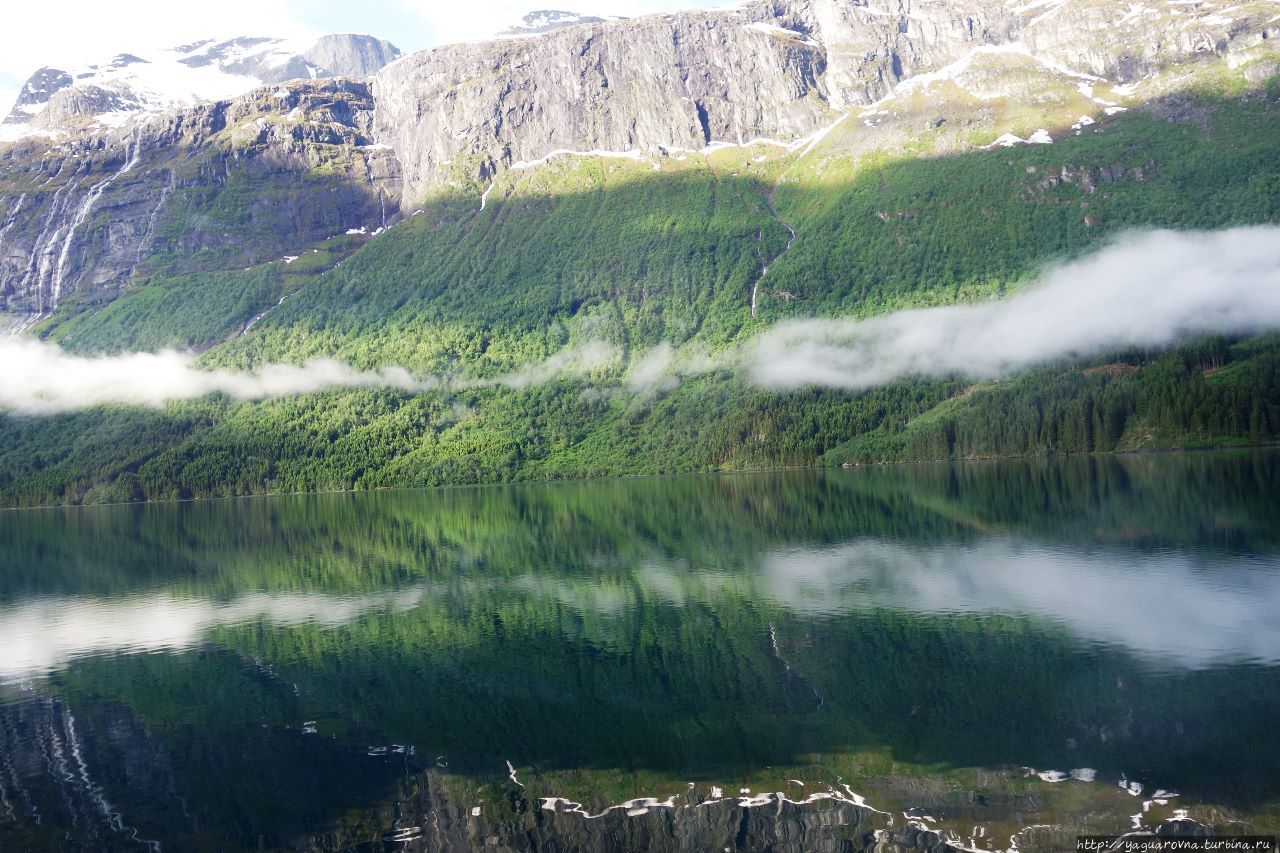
[(812, 660)]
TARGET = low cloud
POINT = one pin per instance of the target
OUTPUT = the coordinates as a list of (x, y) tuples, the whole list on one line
[(654, 370), (583, 360), (40, 378), (1145, 289)]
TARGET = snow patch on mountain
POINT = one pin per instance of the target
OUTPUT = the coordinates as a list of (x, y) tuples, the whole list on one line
[(110, 92), (1008, 140), (958, 70)]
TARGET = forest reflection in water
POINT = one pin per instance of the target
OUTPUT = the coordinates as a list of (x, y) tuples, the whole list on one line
[(945, 641)]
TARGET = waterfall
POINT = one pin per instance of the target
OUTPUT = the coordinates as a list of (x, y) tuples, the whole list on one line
[(249, 325), (7, 812), (86, 207), (5, 226), (11, 218), (145, 242), (39, 256), (755, 288), (17, 328)]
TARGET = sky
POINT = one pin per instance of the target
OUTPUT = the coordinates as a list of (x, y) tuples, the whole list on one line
[(85, 31)]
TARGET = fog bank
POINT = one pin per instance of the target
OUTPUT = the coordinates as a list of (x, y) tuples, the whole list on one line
[(1143, 289), (41, 378)]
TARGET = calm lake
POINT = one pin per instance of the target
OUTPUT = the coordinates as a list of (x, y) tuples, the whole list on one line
[(997, 655)]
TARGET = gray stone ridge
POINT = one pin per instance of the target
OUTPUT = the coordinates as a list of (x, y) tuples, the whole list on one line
[(776, 69)]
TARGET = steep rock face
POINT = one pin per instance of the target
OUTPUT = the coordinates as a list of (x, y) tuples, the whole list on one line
[(217, 186), (98, 776), (871, 47), (773, 70), (66, 106), (1125, 42), (777, 69), (471, 110), (353, 56)]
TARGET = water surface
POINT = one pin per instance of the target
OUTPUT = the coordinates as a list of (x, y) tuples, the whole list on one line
[(997, 655)]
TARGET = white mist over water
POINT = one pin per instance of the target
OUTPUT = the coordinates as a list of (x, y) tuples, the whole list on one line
[(1144, 289)]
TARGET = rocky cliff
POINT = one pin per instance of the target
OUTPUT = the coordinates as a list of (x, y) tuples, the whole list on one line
[(773, 69), (110, 186), (216, 186), (661, 82)]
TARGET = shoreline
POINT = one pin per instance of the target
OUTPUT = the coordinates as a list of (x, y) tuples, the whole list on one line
[(847, 466)]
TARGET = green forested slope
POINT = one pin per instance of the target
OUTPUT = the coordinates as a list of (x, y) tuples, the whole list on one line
[(616, 251)]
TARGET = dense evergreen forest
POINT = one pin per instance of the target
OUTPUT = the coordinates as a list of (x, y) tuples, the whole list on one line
[(604, 250)]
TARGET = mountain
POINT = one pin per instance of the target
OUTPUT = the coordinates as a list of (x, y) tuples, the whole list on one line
[(124, 142), (567, 221), (659, 86), (55, 101), (766, 71)]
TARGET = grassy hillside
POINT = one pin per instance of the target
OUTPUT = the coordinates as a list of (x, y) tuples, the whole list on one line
[(630, 254)]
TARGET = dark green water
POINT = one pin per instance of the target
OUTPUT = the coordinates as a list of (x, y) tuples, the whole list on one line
[(796, 661)]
